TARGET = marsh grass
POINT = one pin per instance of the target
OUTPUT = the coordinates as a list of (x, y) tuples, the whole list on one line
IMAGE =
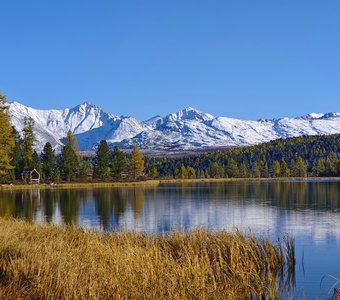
[(149, 182), (49, 262)]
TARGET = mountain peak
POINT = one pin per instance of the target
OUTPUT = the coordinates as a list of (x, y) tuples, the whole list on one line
[(186, 129), (189, 113)]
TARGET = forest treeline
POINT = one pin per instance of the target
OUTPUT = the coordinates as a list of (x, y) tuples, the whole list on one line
[(293, 157)]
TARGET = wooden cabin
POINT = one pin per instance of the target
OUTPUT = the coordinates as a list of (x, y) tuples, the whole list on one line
[(30, 176)]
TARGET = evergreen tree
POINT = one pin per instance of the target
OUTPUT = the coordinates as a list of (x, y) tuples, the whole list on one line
[(69, 162), (82, 171), (102, 161), (184, 172), (28, 142), (153, 173), (119, 162), (331, 164), (285, 172), (293, 169), (7, 141), (276, 169), (136, 163), (257, 170), (48, 160), (265, 171), (216, 170), (191, 172), (321, 167), (72, 142), (56, 176), (314, 168), (244, 172), (232, 169), (18, 155), (300, 167), (36, 163)]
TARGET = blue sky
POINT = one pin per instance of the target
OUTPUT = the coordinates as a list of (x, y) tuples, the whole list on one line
[(245, 59)]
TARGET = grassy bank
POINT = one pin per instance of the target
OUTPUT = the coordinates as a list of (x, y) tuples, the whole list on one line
[(48, 262), (155, 182)]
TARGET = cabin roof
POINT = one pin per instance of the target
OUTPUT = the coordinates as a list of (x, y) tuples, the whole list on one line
[(29, 172)]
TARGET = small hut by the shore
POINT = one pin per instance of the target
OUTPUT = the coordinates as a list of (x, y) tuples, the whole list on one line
[(30, 176)]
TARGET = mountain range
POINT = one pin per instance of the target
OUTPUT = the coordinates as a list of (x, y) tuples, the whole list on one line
[(186, 130)]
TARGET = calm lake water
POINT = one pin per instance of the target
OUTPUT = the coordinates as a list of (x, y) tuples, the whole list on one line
[(307, 210)]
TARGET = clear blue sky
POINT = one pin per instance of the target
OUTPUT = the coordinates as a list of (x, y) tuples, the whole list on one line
[(245, 59)]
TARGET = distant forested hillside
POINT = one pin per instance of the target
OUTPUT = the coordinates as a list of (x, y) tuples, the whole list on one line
[(295, 157)]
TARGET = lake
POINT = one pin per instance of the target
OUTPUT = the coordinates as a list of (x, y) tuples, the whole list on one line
[(308, 210)]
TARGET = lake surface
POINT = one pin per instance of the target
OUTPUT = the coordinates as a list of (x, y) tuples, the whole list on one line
[(307, 210)]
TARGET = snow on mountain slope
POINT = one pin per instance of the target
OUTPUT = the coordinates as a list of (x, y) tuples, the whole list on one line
[(188, 129), (89, 124)]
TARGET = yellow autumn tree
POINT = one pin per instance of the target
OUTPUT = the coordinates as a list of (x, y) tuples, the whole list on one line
[(136, 163), (7, 142)]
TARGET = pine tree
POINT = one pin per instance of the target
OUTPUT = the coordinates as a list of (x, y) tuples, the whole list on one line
[(331, 164), (285, 172), (136, 163), (244, 172), (69, 159), (276, 169), (28, 142), (191, 172), (265, 171), (321, 167), (102, 161), (257, 170), (7, 142), (119, 162), (48, 160), (184, 172), (18, 154), (36, 163), (300, 167), (315, 168), (153, 173), (216, 170), (72, 141), (232, 169)]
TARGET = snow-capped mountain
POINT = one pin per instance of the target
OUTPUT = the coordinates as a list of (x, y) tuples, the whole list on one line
[(188, 129), (89, 124)]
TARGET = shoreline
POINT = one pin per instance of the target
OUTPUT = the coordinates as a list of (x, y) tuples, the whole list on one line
[(152, 182)]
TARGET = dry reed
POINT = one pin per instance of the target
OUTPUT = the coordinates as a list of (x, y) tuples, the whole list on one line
[(49, 262)]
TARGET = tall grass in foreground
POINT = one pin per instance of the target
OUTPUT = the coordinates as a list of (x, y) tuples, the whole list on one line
[(48, 262)]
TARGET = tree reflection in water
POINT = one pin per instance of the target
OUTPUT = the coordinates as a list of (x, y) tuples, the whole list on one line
[(112, 204)]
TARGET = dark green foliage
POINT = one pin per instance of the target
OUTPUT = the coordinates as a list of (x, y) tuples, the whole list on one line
[(119, 162), (28, 142), (36, 163), (69, 159), (102, 161), (301, 156), (48, 161), (232, 169), (18, 155), (216, 170), (153, 173)]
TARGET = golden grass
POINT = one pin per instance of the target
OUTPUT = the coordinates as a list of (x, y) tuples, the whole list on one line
[(49, 262), (152, 182)]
